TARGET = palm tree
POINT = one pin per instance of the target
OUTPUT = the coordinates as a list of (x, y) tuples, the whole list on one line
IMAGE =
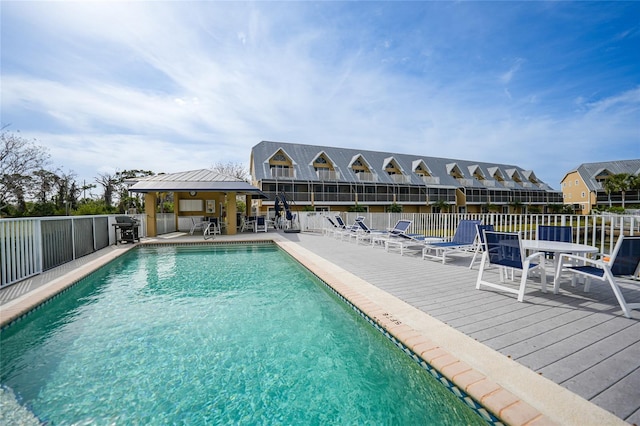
[(442, 205), (620, 182)]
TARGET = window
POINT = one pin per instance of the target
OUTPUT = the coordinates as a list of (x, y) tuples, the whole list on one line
[(583, 194), (279, 170)]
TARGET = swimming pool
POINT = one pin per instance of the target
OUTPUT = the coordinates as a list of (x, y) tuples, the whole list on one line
[(225, 335)]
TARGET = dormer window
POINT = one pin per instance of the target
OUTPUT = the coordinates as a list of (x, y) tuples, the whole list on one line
[(421, 169), (476, 172), (359, 167), (602, 175), (324, 167), (391, 167), (281, 165), (455, 171)]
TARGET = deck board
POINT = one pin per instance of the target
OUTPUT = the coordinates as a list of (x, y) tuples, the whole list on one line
[(576, 339)]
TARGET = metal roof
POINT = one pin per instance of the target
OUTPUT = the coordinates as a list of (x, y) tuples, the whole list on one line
[(342, 158), (203, 180), (589, 171)]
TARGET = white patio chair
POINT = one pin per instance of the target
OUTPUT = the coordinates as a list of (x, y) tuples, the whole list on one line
[(504, 250), (479, 242), (197, 225), (624, 261)]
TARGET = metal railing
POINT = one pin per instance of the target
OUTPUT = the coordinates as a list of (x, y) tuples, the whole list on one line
[(31, 246)]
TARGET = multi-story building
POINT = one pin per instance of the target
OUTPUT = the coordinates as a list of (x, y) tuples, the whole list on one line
[(331, 178), (582, 187)]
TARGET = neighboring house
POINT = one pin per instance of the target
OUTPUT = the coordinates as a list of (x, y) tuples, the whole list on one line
[(331, 178), (582, 187)]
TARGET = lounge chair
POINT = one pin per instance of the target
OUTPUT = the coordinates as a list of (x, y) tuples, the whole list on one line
[(464, 240), (624, 261), (332, 228), (504, 250), (399, 228), (415, 242), (480, 241), (347, 230), (367, 234)]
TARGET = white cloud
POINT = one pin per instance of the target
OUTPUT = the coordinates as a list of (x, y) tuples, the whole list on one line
[(508, 76), (170, 88)]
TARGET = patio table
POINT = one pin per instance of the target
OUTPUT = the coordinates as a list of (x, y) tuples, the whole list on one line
[(557, 247)]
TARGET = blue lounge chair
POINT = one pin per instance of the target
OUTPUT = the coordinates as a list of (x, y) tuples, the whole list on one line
[(347, 230), (624, 261), (504, 250), (464, 240), (332, 228), (399, 228), (367, 234), (415, 242)]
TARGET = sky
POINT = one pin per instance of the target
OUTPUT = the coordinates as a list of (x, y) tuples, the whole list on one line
[(171, 86)]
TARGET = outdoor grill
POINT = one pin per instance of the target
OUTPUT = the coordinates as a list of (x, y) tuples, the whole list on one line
[(126, 229)]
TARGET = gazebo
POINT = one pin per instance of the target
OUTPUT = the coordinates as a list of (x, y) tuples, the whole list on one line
[(195, 193)]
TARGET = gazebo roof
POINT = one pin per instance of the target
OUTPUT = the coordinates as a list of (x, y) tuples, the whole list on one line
[(203, 180)]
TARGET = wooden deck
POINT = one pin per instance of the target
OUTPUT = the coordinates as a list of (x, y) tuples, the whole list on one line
[(579, 340)]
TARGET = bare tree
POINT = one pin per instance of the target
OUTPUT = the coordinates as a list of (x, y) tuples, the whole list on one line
[(44, 183), (108, 182), (236, 170), (19, 159)]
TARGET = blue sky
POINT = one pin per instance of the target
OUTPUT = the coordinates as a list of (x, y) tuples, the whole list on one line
[(173, 86)]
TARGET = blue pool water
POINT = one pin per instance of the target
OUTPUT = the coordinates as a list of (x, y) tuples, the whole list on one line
[(204, 335)]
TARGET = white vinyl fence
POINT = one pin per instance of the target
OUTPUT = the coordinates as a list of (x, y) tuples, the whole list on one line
[(601, 231)]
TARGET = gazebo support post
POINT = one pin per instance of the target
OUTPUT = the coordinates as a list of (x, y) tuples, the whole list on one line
[(150, 200), (232, 223)]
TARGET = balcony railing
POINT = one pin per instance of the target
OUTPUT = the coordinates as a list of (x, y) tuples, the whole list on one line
[(282, 173), (489, 183), (432, 180), (465, 182), (367, 177), (399, 178), (328, 174)]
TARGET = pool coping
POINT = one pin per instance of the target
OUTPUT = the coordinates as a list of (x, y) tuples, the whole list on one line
[(519, 397)]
